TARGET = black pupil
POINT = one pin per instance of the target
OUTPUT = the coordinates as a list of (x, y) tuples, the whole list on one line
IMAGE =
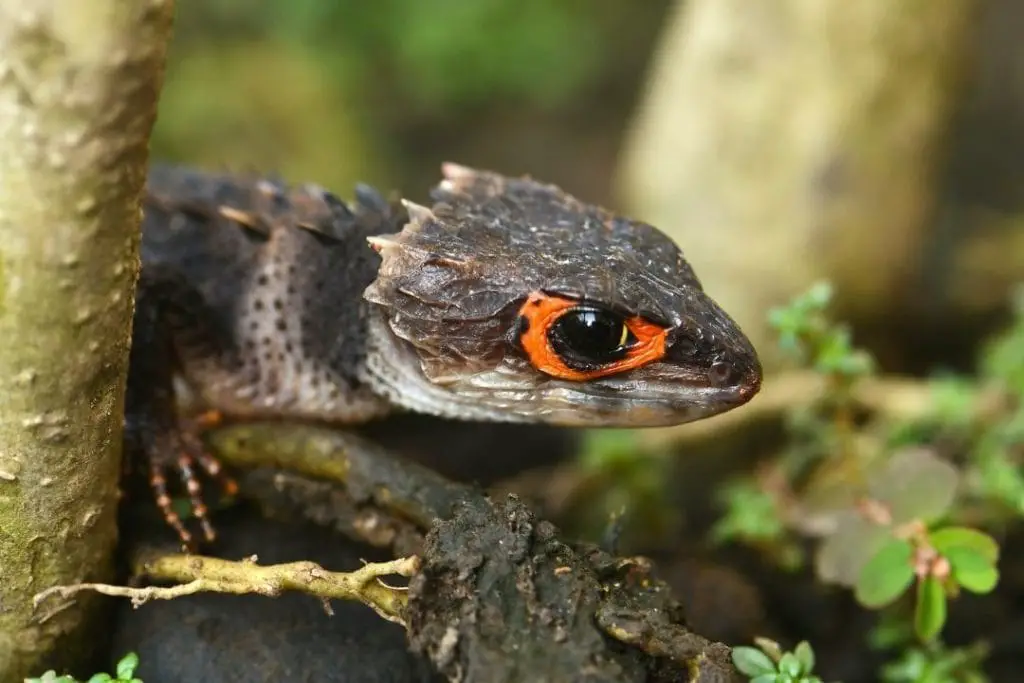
[(587, 338)]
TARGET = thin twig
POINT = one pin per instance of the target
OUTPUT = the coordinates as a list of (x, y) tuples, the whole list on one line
[(198, 574)]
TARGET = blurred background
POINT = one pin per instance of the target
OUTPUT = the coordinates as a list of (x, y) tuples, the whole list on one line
[(876, 147), (346, 90)]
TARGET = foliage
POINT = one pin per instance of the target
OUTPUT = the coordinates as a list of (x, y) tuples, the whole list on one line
[(937, 664), (903, 513), (339, 91), (439, 53), (245, 119), (125, 672), (767, 663)]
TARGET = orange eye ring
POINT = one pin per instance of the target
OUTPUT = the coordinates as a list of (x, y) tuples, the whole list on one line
[(541, 311)]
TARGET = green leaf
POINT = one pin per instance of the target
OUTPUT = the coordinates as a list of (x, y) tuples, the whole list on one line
[(819, 295), (752, 662), (915, 484), (790, 665), (981, 544), (972, 570), (783, 319), (999, 477), (751, 513), (842, 556), (886, 575), (766, 678), (127, 666), (930, 612), (805, 654), (769, 647)]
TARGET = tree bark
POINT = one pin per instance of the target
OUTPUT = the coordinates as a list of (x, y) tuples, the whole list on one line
[(787, 141), (79, 83)]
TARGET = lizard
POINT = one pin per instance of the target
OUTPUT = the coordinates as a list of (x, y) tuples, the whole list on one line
[(503, 299)]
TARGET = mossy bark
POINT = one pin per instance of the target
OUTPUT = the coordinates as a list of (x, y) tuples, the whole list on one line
[(786, 141), (79, 83)]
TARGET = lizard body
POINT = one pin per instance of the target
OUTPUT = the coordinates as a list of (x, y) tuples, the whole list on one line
[(506, 300)]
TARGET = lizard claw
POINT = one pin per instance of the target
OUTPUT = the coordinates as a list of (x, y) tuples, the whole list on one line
[(180, 455)]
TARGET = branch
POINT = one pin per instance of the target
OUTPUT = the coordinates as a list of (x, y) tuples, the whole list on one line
[(295, 497), (338, 479), (197, 574), (499, 596)]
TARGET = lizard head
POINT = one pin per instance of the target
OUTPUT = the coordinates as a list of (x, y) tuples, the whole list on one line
[(510, 300)]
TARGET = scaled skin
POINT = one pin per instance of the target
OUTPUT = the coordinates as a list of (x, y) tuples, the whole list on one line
[(287, 303), (455, 278)]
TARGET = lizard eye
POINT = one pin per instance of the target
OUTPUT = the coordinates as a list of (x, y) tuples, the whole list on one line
[(578, 341), (586, 337)]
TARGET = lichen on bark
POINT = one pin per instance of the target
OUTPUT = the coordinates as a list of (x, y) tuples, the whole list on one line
[(79, 83)]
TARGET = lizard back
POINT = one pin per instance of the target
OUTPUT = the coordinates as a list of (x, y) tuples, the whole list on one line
[(270, 279)]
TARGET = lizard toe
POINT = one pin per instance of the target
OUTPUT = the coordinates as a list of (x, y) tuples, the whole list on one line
[(178, 460)]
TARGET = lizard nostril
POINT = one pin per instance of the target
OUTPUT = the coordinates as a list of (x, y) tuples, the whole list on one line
[(722, 373)]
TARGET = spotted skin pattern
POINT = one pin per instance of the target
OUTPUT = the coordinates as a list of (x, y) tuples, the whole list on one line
[(266, 301), (250, 291)]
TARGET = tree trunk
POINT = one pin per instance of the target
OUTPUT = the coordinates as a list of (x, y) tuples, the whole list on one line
[(787, 141), (79, 83)]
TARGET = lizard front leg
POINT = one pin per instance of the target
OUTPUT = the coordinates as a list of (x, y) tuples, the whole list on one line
[(157, 436)]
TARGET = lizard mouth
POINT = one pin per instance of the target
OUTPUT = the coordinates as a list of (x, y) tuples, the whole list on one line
[(623, 401)]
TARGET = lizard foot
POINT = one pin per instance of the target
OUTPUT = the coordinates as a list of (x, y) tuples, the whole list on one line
[(179, 455)]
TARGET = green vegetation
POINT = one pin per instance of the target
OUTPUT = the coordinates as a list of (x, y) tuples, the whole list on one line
[(345, 91), (769, 664), (443, 54), (903, 512), (125, 673), (906, 513)]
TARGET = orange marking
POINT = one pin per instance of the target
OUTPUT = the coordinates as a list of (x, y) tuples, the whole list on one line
[(543, 310), (208, 419), (230, 488)]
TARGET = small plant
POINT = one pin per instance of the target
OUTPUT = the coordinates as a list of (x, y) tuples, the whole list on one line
[(937, 664), (767, 663), (942, 562), (894, 538), (901, 508), (823, 441), (807, 333), (125, 674)]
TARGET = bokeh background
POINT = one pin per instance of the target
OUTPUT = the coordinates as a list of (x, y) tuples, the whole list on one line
[(346, 90), (878, 145)]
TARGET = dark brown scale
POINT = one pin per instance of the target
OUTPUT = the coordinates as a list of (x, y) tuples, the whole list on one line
[(229, 298)]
